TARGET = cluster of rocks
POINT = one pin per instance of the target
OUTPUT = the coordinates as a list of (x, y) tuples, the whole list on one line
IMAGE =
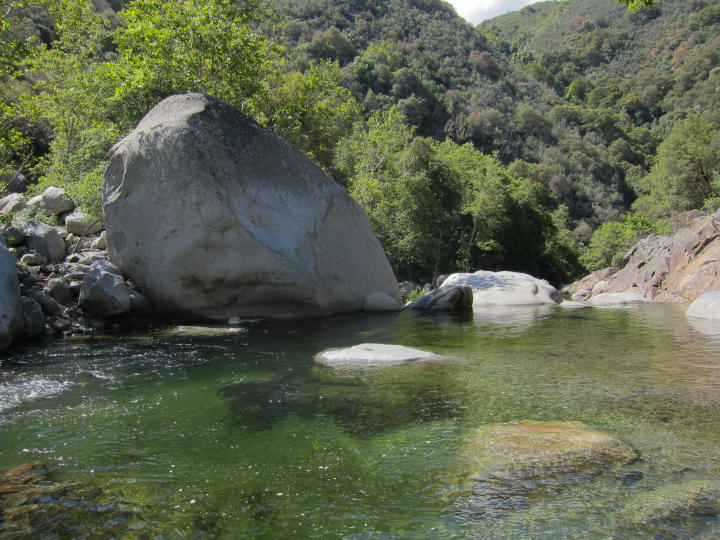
[(56, 280), (677, 268)]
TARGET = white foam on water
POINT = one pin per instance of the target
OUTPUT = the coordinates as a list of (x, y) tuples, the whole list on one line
[(19, 390)]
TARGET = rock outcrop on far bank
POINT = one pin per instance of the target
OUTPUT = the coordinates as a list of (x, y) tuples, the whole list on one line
[(677, 268), (215, 217)]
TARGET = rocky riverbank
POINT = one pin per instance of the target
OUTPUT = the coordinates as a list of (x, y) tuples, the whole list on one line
[(677, 268), (55, 280)]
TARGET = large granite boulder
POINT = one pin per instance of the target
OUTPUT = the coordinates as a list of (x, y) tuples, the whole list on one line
[(677, 268), (215, 217), (706, 306), (505, 288), (11, 314)]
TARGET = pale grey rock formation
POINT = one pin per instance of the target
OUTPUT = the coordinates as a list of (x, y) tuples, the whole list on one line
[(9, 204), (581, 295), (104, 292), (505, 288), (447, 298), (53, 201), (11, 321), (215, 217), (373, 355), (45, 240), (378, 301), (706, 306), (78, 223)]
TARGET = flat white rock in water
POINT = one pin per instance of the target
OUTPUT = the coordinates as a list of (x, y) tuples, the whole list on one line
[(505, 288), (616, 299), (374, 354)]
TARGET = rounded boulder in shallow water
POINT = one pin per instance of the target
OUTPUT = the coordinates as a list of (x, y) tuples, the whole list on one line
[(373, 355), (215, 217), (505, 288), (706, 306), (507, 465)]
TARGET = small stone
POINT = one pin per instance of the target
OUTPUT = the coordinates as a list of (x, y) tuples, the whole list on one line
[(80, 224), (33, 319), (100, 242), (581, 296), (60, 291), (13, 236), (75, 288), (18, 252), (49, 306), (61, 325), (33, 259)]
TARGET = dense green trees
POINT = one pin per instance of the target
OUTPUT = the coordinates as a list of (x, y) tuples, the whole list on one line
[(438, 207), (550, 117)]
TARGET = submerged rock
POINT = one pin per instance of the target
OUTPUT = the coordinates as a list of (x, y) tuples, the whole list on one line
[(448, 298), (215, 217), (505, 288), (706, 306), (685, 504), (616, 299), (509, 463), (373, 355)]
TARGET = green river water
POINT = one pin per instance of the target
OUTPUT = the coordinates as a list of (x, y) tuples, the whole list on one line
[(237, 434)]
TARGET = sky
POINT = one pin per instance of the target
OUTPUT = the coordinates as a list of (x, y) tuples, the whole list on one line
[(478, 10)]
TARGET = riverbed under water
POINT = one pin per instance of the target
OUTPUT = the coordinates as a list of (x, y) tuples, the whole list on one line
[(230, 434)]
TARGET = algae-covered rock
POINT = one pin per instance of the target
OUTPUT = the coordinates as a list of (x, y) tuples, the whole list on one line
[(508, 464), (674, 505)]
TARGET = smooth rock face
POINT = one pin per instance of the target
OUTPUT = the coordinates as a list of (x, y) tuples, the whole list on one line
[(215, 217), (448, 298), (79, 224), (706, 306), (505, 288), (45, 240), (378, 301), (52, 201), (373, 355), (617, 299), (11, 321), (504, 460)]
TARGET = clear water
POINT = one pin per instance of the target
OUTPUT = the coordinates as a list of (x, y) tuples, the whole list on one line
[(231, 435)]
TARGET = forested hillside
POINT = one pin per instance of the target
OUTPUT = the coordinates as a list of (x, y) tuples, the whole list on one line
[(499, 147)]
